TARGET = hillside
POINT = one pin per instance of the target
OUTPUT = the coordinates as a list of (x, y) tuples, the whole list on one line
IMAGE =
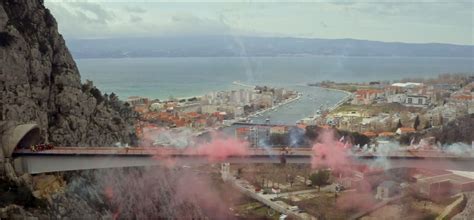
[(41, 84)]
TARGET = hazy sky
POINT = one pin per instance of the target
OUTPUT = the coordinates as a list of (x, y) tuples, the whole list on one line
[(444, 21)]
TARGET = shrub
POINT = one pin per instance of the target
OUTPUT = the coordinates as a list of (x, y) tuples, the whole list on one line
[(97, 95)]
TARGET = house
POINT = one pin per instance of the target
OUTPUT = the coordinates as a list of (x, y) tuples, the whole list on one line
[(396, 98), (278, 130), (387, 189), (404, 130), (444, 185), (386, 134), (366, 96), (416, 100), (370, 134), (242, 133)]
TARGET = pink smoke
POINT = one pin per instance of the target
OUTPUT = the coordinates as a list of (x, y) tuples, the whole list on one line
[(328, 152), (198, 188), (220, 148), (162, 193)]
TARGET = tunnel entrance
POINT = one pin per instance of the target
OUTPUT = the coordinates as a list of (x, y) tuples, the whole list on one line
[(20, 136), (32, 137)]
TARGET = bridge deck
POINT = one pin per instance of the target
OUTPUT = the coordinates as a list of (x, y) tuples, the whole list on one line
[(168, 151), (81, 158)]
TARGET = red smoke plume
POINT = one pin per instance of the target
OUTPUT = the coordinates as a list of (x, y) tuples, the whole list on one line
[(329, 152), (220, 148)]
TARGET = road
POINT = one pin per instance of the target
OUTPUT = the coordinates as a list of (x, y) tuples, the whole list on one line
[(81, 158)]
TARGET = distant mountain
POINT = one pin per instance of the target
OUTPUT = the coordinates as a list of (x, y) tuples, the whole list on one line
[(219, 46)]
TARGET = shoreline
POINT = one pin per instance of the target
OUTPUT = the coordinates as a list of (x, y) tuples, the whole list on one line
[(289, 101), (256, 114), (335, 106)]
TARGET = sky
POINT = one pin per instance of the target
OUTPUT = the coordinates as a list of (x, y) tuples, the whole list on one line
[(420, 21)]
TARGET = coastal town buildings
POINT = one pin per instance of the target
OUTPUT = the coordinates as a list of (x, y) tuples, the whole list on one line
[(210, 111), (390, 110)]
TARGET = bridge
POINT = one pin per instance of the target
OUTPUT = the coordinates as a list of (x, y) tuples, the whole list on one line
[(14, 156), (81, 158), (257, 124)]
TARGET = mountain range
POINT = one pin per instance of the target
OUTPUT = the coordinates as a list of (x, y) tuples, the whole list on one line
[(229, 46)]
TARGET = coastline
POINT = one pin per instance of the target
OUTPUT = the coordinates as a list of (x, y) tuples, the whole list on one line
[(256, 114), (342, 101), (335, 106), (289, 101)]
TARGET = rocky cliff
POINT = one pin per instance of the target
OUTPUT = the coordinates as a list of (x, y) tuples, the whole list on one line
[(39, 82)]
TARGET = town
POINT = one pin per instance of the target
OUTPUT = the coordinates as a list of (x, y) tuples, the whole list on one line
[(197, 115), (415, 117)]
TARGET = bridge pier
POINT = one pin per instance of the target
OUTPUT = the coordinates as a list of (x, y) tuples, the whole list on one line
[(225, 171)]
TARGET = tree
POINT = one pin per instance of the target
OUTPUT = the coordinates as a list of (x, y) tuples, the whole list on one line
[(417, 122), (320, 178), (427, 125), (240, 171), (399, 125), (97, 94), (279, 139), (312, 132)]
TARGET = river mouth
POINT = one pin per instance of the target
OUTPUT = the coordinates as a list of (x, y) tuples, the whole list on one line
[(312, 100)]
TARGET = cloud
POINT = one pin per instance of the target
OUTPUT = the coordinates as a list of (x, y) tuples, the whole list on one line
[(359, 19), (134, 9), (186, 18), (92, 12), (135, 19)]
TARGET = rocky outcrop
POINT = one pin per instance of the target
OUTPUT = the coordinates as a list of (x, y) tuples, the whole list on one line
[(40, 83)]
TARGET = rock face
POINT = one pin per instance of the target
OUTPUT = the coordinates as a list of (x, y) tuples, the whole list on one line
[(40, 83)]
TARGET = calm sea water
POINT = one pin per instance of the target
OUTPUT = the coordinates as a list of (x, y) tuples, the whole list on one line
[(184, 77)]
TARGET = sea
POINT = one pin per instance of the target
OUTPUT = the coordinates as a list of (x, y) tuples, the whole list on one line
[(163, 78)]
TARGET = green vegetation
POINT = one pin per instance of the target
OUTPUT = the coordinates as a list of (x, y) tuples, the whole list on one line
[(97, 94), (417, 122), (320, 178), (279, 139), (323, 206), (255, 210), (458, 130), (374, 109), (313, 131), (399, 124)]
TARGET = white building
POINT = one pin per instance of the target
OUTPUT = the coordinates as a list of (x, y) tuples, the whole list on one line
[(156, 107), (407, 84), (396, 98), (416, 100)]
